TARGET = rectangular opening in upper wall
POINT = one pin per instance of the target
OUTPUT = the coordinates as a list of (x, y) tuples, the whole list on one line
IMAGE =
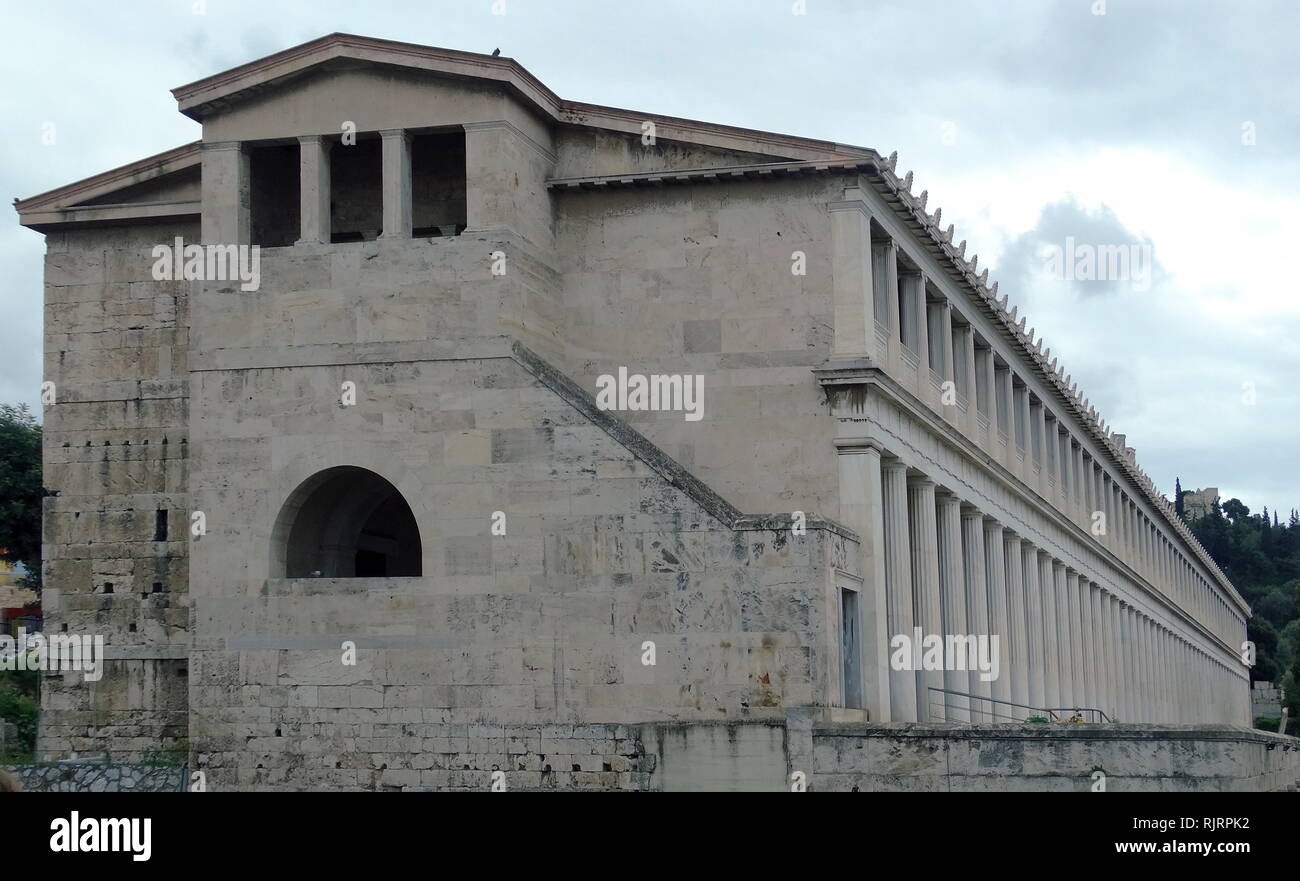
[(357, 189), (438, 183), (273, 195)]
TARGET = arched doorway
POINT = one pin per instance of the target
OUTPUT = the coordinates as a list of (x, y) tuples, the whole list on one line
[(346, 522)]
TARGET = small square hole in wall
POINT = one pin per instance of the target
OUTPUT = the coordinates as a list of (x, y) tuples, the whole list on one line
[(65, 628), (108, 587), (157, 587), (131, 628)]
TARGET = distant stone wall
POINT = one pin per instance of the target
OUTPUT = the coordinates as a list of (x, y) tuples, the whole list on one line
[(1199, 503), (75, 776), (14, 596), (1265, 701)]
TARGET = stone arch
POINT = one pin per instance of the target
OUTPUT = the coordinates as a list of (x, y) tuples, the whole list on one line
[(345, 522)]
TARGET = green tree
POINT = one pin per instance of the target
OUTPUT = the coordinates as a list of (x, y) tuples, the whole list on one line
[(1264, 636), (20, 487)]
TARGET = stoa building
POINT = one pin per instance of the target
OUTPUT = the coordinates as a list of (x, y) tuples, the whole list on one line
[(358, 519)]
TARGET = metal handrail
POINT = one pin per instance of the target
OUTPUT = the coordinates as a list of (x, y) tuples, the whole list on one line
[(1051, 713)]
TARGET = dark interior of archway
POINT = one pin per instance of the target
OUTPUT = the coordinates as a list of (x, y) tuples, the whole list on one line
[(353, 524)]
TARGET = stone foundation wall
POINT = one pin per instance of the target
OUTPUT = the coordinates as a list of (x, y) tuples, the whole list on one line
[(1057, 758), (770, 755), (98, 777)]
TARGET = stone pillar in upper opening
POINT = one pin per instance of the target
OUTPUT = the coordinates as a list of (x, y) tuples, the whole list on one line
[(314, 189), (397, 184), (226, 194)]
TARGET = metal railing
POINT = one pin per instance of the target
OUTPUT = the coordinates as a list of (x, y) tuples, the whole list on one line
[(1004, 711)]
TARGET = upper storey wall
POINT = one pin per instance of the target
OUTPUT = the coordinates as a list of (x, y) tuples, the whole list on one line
[(697, 280), (375, 98)]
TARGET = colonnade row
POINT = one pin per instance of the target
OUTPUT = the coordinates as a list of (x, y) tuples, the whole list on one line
[(1065, 641), (890, 308)]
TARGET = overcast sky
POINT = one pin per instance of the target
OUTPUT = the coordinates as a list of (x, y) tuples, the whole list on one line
[(1173, 125)]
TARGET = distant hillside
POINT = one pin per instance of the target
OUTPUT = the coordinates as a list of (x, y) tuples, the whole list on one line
[(1261, 555)]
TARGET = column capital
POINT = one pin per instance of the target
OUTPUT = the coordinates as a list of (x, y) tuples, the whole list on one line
[(217, 146), (310, 139), (394, 133), (920, 481), (846, 446), (893, 464)]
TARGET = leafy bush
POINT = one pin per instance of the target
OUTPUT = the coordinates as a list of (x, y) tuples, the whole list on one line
[(20, 705)]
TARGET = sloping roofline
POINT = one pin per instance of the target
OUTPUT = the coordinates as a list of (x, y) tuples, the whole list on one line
[(148, 168)]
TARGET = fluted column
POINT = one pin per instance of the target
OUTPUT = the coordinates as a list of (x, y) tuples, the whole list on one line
[(1077, 662), (977, 602), (1051, 639), (995, 579), (1064, 646), (898, 588), (1086, 643), (925, 588), (1100, 658), (1148, 679), (1109, 607), (1162, 682), (1081, 491), (896, 315), (1153, 698), (1128, 699), (1185, 684), (1015, 648), (972, 391), (1037, 662), (1140, 667), (1157, 672), (952, 590), (1134, 652), (1118, 667), (1167, 673), (947, 369), (916, 283)]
